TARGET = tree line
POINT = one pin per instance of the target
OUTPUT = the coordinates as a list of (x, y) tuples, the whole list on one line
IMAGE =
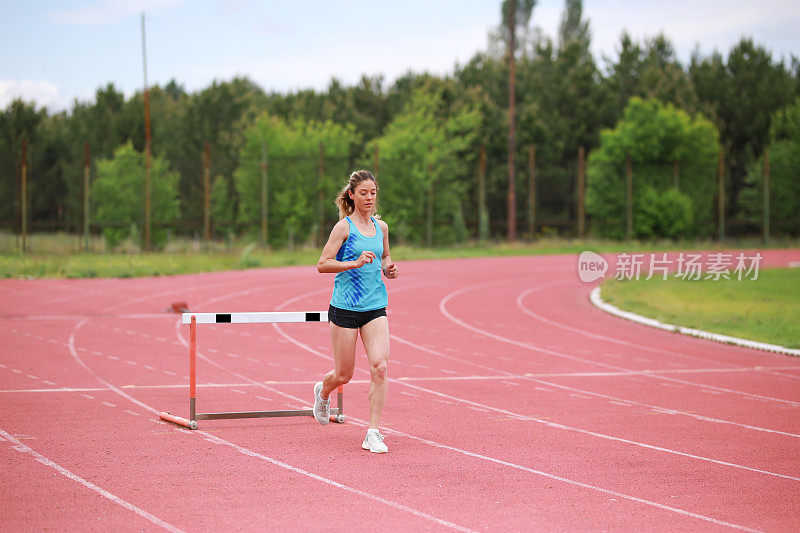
[(453, 163)]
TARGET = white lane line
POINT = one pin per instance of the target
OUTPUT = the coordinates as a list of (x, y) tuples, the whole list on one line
[(571, 481), (528, 377), (87, 396), (615, 340), (241, 449), (512, 465), (446, 313), (23, 448), (592, 433), (108, 404), (556, 425), (333, 483)]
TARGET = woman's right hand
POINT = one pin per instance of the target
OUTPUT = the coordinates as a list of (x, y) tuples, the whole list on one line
[(365, 257)]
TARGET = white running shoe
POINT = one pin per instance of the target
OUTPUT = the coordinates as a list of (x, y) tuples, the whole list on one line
[(374, 443), (322, 409)]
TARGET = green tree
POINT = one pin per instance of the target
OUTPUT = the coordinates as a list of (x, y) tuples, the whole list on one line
[(299, 200), (516, 16), (118, 199), (663, 77), (623, 80), (424, 172), (561, 109), (218, 115), (20, 120), (654, 136), (222, 205), (742, 93), (784, 185), (483, 77)]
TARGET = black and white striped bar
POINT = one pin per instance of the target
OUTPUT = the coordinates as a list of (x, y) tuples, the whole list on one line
[(255, 318)]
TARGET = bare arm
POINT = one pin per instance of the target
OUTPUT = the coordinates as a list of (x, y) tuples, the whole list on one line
[(327, 261), (387, 265)]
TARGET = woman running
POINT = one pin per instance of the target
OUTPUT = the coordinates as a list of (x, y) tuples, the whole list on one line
[(357, 251)]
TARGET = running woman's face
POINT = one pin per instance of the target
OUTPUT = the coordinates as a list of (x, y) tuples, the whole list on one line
[(365, 196)]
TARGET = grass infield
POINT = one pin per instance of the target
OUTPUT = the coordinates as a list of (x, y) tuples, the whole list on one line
[(766, 309)]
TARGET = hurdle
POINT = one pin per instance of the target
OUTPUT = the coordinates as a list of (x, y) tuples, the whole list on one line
[(193, 319)]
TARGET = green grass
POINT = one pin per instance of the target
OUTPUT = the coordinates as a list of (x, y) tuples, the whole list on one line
[(57, 255), (766, 309)]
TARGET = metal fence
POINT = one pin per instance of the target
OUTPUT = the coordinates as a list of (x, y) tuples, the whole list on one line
[(551, 200)]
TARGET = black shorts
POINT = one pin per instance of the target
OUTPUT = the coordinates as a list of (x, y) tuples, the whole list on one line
[(353, 319)]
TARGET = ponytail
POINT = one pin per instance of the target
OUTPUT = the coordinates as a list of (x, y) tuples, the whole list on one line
[(343, 201)]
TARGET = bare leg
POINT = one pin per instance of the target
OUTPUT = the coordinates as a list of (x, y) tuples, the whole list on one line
[(344, 356), (375, 336)]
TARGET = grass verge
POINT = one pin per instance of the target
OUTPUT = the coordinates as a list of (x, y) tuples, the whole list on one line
[(766, 309), (55, 256)]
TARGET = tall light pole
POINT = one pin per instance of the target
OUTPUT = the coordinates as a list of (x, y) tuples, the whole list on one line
[(147, 162)]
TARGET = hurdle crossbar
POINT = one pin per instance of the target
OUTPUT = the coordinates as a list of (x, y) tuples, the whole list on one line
[(193, 319)]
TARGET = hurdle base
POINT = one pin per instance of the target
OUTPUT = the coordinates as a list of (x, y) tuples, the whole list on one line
[(336, 416), (166, 416)]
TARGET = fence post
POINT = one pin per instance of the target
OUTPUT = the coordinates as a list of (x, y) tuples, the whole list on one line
[(24, 196), (264, 206), (207, 193), (532, 190), (429, 214), (86, 196), (483, 215), (675, 175), (721, 194), (581, 188), (628, 198), (766, 197), (147, 141), (320, 196), (147, 165)]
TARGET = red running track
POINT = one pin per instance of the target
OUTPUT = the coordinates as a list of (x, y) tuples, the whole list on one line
[(514, 405)]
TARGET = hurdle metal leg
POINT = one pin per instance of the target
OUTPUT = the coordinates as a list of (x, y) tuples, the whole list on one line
[(337, 413)]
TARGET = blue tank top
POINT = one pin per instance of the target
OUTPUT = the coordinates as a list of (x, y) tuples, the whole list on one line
[(360, 289)]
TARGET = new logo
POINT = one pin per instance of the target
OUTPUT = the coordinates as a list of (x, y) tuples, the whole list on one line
[(591, 266)]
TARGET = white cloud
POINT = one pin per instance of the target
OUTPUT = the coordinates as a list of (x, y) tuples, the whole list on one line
[(43, 92), (711, 24), (293, 69), (106, 12)]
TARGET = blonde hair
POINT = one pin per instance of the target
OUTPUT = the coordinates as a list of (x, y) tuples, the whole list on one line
[(346, 204)]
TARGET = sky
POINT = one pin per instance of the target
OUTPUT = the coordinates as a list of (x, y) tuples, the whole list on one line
[(54, 52)]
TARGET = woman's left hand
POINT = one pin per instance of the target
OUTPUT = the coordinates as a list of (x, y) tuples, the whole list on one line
[(391, 271)]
